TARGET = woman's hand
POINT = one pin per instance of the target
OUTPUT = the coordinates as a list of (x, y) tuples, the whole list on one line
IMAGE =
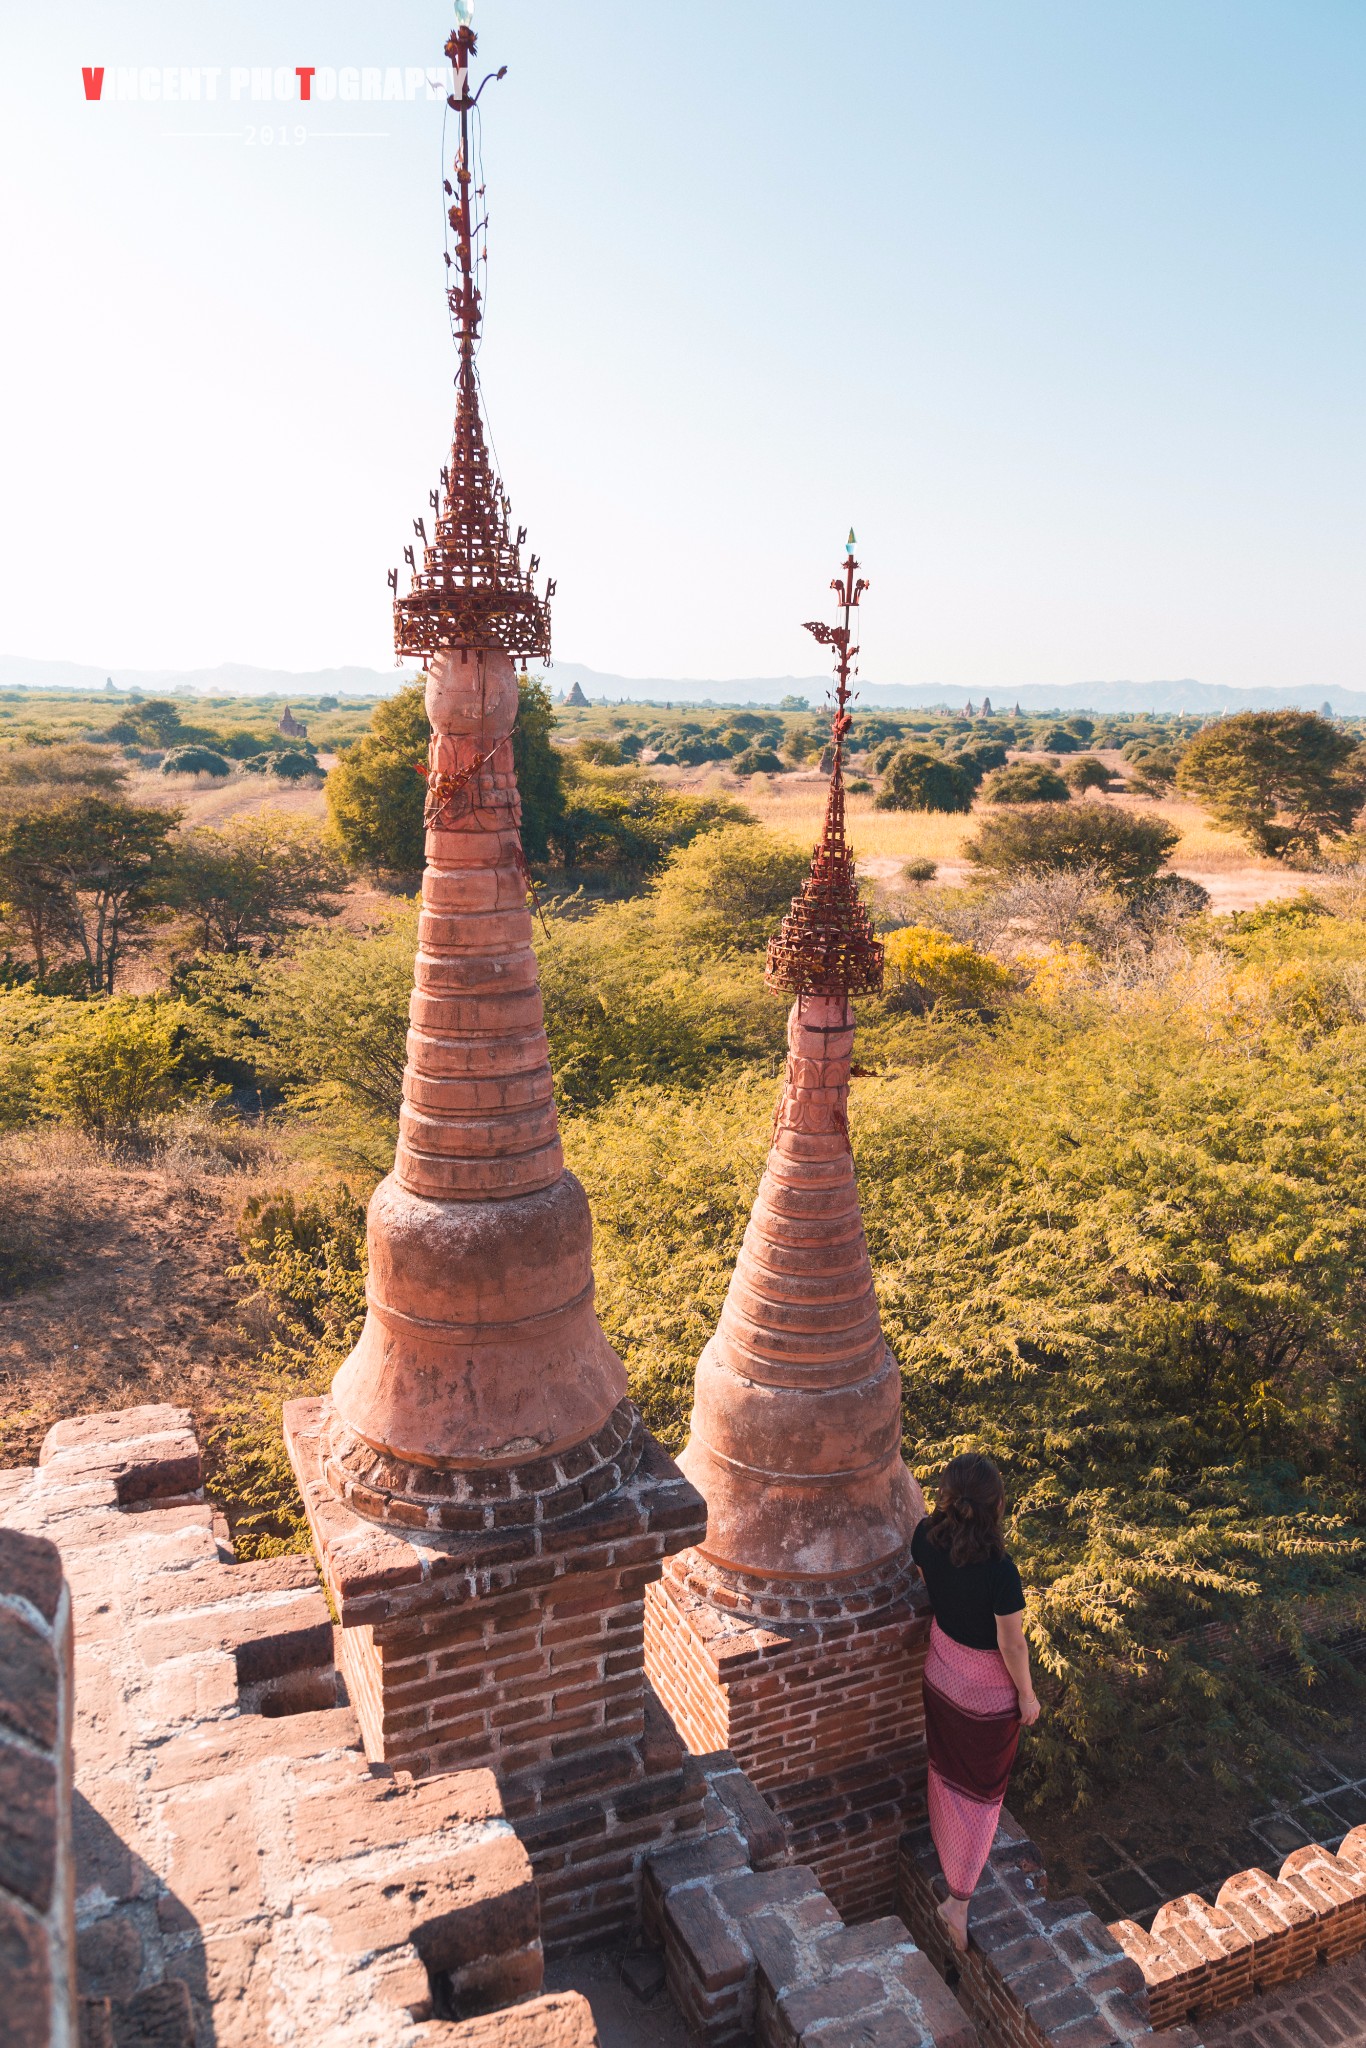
[(1010, 1638)]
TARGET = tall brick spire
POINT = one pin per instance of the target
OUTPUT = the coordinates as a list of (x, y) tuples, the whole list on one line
[(796, 1425), (481, 1351)]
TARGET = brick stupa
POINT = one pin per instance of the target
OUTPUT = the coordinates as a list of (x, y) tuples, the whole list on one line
[(486, 1503), (792, 1634)]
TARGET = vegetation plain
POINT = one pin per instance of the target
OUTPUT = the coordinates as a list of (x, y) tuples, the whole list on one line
[(1110, 1142)]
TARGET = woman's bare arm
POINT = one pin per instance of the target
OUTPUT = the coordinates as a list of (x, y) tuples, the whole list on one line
[(1010, 1640)]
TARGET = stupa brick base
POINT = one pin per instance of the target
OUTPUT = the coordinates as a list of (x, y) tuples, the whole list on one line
[(521, 1648), (824, 1715)]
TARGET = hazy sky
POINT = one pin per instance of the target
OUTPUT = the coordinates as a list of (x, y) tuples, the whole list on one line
[(1060, 302)]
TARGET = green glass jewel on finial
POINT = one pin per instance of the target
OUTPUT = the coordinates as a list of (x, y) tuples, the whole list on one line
[(849, 544)]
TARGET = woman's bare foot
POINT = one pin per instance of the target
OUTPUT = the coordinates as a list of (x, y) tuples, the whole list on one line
[(954, 1914)]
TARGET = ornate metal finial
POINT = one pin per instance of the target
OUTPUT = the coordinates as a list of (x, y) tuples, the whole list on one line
[(826, 945), (471, 591)]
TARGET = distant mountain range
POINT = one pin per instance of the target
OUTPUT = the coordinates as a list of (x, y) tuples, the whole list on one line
[(1184, 695), (229, 679), (234, 679)]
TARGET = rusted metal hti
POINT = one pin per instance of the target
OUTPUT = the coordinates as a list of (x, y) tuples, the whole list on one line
[(471, 591), (826, 945)]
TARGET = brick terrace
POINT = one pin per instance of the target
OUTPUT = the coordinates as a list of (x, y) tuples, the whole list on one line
[(1325, 2010)]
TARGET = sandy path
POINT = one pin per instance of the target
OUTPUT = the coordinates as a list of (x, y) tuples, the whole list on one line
[(208, 802)]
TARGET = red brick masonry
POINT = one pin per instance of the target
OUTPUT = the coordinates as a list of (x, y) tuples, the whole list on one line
[(241, 1875), (1039, 1972), (1260, 1932), (521, 1648), (826, 1718), (755, 1951)]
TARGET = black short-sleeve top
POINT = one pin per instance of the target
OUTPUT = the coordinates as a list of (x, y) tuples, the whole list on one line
[(967, 1598)]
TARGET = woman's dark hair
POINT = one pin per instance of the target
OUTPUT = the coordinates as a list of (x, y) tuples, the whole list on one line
[(968, 1510)]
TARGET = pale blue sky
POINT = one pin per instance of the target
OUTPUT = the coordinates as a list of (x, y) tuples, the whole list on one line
[(1059, 301)]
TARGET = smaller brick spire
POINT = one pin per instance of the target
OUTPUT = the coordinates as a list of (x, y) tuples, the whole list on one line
[(796, 1426)]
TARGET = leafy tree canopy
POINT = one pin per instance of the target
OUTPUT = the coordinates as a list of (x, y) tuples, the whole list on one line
[(194, 760), (922, 779), (1027, 782), (731, 887), (1284, 779), (375, 795), (1123, 848), (255, 880), (84, 877), (1086, 772)]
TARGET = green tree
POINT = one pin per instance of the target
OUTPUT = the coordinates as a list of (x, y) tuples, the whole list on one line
[(540, 769), (255, 880), (1087, 772), (91, 872), (155, 723), (920, 779), (375, 794), (292, 764), (1125, 849), (1027, 782), (730, 888), (114, 1066), (623, 826), (1152, 769), (1062, 739), (1284, 779), (194, 761), (979, 756)]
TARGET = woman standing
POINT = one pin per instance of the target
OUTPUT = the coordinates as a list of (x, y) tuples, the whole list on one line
[(978, 1692)]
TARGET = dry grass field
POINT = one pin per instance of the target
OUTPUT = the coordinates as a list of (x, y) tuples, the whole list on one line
[(885, 840), (209, 800), (794, 804)]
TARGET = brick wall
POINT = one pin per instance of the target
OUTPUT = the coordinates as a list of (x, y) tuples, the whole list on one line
[(1261, 1931), (521, 1648), (37, 1928), (1039, 1972), (241, 1873), (825, 1718), (518, 1680)]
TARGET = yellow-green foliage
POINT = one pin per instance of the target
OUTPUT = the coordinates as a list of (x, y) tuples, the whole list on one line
[(730, 888), (307, 1260), (926, 967), (26, 1020), (113, 1067), (1126, 1259)]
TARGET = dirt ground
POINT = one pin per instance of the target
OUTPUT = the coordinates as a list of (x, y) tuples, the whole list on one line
[(137, 1304)]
